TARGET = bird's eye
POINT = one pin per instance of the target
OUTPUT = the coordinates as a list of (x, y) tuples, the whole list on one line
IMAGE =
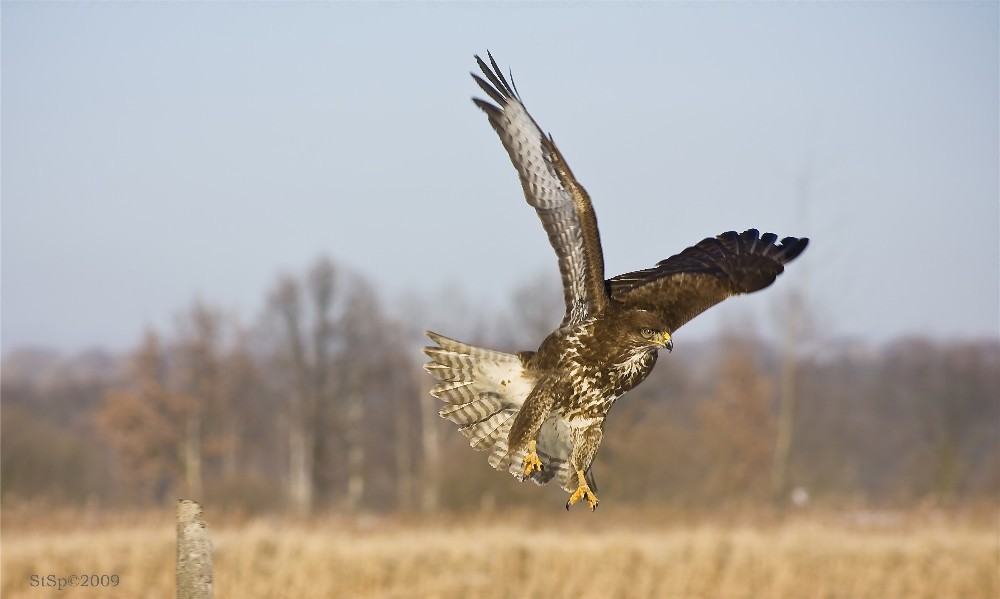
[(647, 333)]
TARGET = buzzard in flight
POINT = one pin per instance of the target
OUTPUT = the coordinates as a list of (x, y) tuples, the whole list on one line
[(540, 414)]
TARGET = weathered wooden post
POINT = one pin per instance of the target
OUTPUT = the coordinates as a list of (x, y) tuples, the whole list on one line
[(194, 552)]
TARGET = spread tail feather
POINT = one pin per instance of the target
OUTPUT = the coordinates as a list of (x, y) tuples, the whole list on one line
[(483, 390)]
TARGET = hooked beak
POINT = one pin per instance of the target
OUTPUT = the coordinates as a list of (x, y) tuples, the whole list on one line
[(665, 342)]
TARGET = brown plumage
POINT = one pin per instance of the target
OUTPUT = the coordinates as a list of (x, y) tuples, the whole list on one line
[(541, 414)]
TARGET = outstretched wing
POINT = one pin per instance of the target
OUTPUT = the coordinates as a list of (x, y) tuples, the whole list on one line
[(683, 286), (561, 203)]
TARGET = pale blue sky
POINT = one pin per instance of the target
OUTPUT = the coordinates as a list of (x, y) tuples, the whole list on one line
[(154, 152)]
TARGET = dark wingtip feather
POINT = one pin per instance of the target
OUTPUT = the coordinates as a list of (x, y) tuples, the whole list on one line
[(483, 104), (491, 91), (495, 76), (792, 247), (749, 239), (731, 241), (499, 73)]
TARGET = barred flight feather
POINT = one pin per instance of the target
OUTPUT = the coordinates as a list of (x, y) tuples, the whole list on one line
[(483, 390), (474, 411), (485, 434)]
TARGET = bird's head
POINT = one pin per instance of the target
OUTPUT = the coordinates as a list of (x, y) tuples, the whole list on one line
[(646, 330)]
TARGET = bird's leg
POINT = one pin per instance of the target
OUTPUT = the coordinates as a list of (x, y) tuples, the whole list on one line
[(585, 444), (582, 492), (524, 431), (531, 461)]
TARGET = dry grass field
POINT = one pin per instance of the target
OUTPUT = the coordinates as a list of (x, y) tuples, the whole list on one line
[(579, 555)]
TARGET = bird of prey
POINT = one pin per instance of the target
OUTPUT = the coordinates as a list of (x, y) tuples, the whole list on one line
[(540, 414)]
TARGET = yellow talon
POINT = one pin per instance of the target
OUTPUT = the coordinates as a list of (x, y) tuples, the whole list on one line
[(582, 492), (531, 461)]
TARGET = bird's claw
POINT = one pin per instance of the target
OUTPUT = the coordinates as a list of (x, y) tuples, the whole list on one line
[(531, 461), (583, 492)]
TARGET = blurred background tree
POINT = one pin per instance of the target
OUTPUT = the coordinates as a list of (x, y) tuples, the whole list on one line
[(322, 405)]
